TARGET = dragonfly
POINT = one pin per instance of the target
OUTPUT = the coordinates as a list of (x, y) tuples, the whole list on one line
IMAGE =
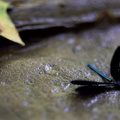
[(114, 70)]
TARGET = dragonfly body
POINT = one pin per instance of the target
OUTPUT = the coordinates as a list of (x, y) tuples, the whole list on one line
[(114, 69), (115, 65)]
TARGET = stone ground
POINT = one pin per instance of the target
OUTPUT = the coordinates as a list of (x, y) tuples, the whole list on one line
[(35, 79)]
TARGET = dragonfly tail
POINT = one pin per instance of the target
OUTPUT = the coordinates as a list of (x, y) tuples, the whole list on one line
[(98, 72)]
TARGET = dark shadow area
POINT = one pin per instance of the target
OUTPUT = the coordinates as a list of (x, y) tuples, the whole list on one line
[(35, 36), (28, 35), (44, 33), (91, 91), (31, 36)]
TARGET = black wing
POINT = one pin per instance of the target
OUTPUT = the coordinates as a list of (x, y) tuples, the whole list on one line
[(115, 65), (90, 83)]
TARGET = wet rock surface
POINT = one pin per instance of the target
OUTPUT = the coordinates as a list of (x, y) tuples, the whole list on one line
[(42, 14), (35, 79)]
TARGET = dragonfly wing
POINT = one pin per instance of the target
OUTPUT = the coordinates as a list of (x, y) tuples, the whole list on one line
[(83, 82), (115, 65), (90, 83)]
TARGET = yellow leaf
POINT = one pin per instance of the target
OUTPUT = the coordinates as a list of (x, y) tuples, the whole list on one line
[(7, 28)]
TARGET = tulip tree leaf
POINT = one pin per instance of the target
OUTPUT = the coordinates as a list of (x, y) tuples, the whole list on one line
[(7, 28)]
